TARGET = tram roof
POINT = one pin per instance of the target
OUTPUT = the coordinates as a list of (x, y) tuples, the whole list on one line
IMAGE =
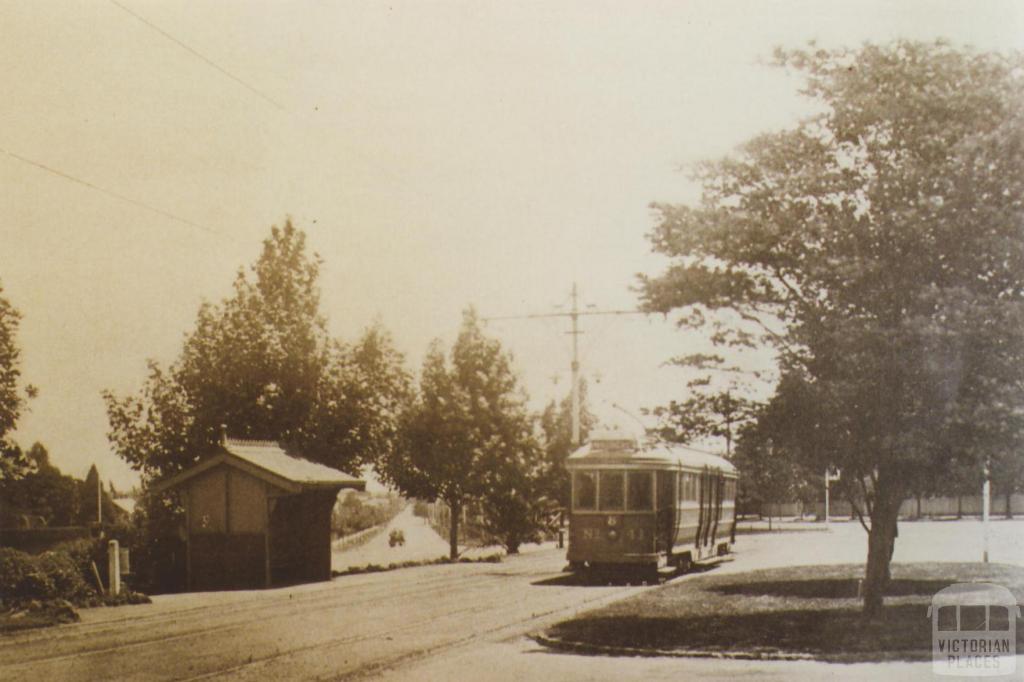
[(629, 451)]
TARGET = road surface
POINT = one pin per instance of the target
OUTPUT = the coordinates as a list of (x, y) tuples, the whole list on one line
[(350, 626), (451, 622)]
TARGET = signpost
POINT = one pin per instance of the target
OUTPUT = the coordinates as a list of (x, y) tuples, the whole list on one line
[(830, 475)]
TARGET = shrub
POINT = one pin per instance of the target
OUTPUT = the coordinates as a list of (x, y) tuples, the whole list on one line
[(64, 578), (15, 569), (51, 575)]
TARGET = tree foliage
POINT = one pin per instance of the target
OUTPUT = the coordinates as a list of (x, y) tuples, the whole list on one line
[(44, 491), (13, 463), (878, 246), (468, 437), (769, 474), (556, 429), (262, 363)]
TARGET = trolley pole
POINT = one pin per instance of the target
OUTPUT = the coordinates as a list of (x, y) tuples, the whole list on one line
[(575, 316)]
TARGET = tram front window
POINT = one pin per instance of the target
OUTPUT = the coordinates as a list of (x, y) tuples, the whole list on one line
[(584, 487), (639, 497), (612, 490)]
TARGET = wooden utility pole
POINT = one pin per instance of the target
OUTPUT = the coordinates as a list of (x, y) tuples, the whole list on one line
[(574, 315)]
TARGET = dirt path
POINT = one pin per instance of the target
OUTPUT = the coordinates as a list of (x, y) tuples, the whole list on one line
[(421, 543)]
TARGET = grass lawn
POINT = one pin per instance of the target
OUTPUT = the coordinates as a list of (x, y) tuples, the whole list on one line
[(809, 610)]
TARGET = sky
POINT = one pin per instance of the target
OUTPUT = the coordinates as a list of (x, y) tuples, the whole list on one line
[(437, 154)]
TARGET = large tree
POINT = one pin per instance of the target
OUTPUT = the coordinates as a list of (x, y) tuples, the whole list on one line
[(468, 437), (262, 363), (13, 462), (879, 247)]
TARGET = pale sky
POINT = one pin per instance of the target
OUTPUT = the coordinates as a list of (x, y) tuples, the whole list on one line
[(436, 154)]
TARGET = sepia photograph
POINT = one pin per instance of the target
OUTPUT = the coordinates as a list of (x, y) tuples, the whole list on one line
[(451, 340)]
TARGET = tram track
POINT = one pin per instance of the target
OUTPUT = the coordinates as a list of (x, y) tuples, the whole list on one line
[(232, 619), (235, 620), (255, 669), (333, 591)]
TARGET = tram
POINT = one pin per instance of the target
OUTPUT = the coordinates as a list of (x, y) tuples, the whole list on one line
[(662, 507)]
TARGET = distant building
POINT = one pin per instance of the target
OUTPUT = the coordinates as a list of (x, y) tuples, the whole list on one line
[(257, 516)]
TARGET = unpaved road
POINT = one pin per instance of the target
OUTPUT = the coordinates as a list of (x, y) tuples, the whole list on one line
[(421, 544), (346, 628), (460, 622)]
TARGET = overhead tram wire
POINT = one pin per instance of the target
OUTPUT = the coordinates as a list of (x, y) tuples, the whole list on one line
[(111, 193), (574, 314), (251, 88), (198, 55)]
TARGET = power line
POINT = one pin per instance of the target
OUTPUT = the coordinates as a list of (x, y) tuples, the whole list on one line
[(574, 314), (109, 193), (198, 55)]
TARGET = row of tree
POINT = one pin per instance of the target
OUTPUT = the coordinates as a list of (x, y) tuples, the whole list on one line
[(263, 363)]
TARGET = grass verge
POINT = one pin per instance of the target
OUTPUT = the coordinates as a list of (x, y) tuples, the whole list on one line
[(380, 568), (805, 611)]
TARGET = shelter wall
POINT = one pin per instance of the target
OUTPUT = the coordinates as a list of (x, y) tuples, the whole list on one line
[(226, 500)]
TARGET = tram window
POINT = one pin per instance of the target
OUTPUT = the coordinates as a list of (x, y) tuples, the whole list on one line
[(584, 487), (687, 487), (666, 489), (998, 618), (639, 493), (947, 619), (612, 490), (972, 618)]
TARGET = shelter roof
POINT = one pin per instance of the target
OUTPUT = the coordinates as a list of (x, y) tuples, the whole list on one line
[(269, 461)]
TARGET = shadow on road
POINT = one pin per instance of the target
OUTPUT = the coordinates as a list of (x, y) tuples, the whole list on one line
[(604, 578)]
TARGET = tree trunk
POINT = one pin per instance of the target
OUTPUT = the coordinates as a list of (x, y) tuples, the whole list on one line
[(918, 516), (455, 510), (959, 506), (1009, 504), (881, 543)]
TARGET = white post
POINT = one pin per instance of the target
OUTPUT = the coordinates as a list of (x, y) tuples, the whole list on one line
[(827, 518), (985, 500), (113, 568)]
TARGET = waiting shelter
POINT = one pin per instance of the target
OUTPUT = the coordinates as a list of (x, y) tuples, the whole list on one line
[(256, 516)]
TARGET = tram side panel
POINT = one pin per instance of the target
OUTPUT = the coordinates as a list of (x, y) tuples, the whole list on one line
[(706, 514)]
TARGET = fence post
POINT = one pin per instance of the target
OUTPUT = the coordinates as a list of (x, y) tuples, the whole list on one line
[(113, 568)]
